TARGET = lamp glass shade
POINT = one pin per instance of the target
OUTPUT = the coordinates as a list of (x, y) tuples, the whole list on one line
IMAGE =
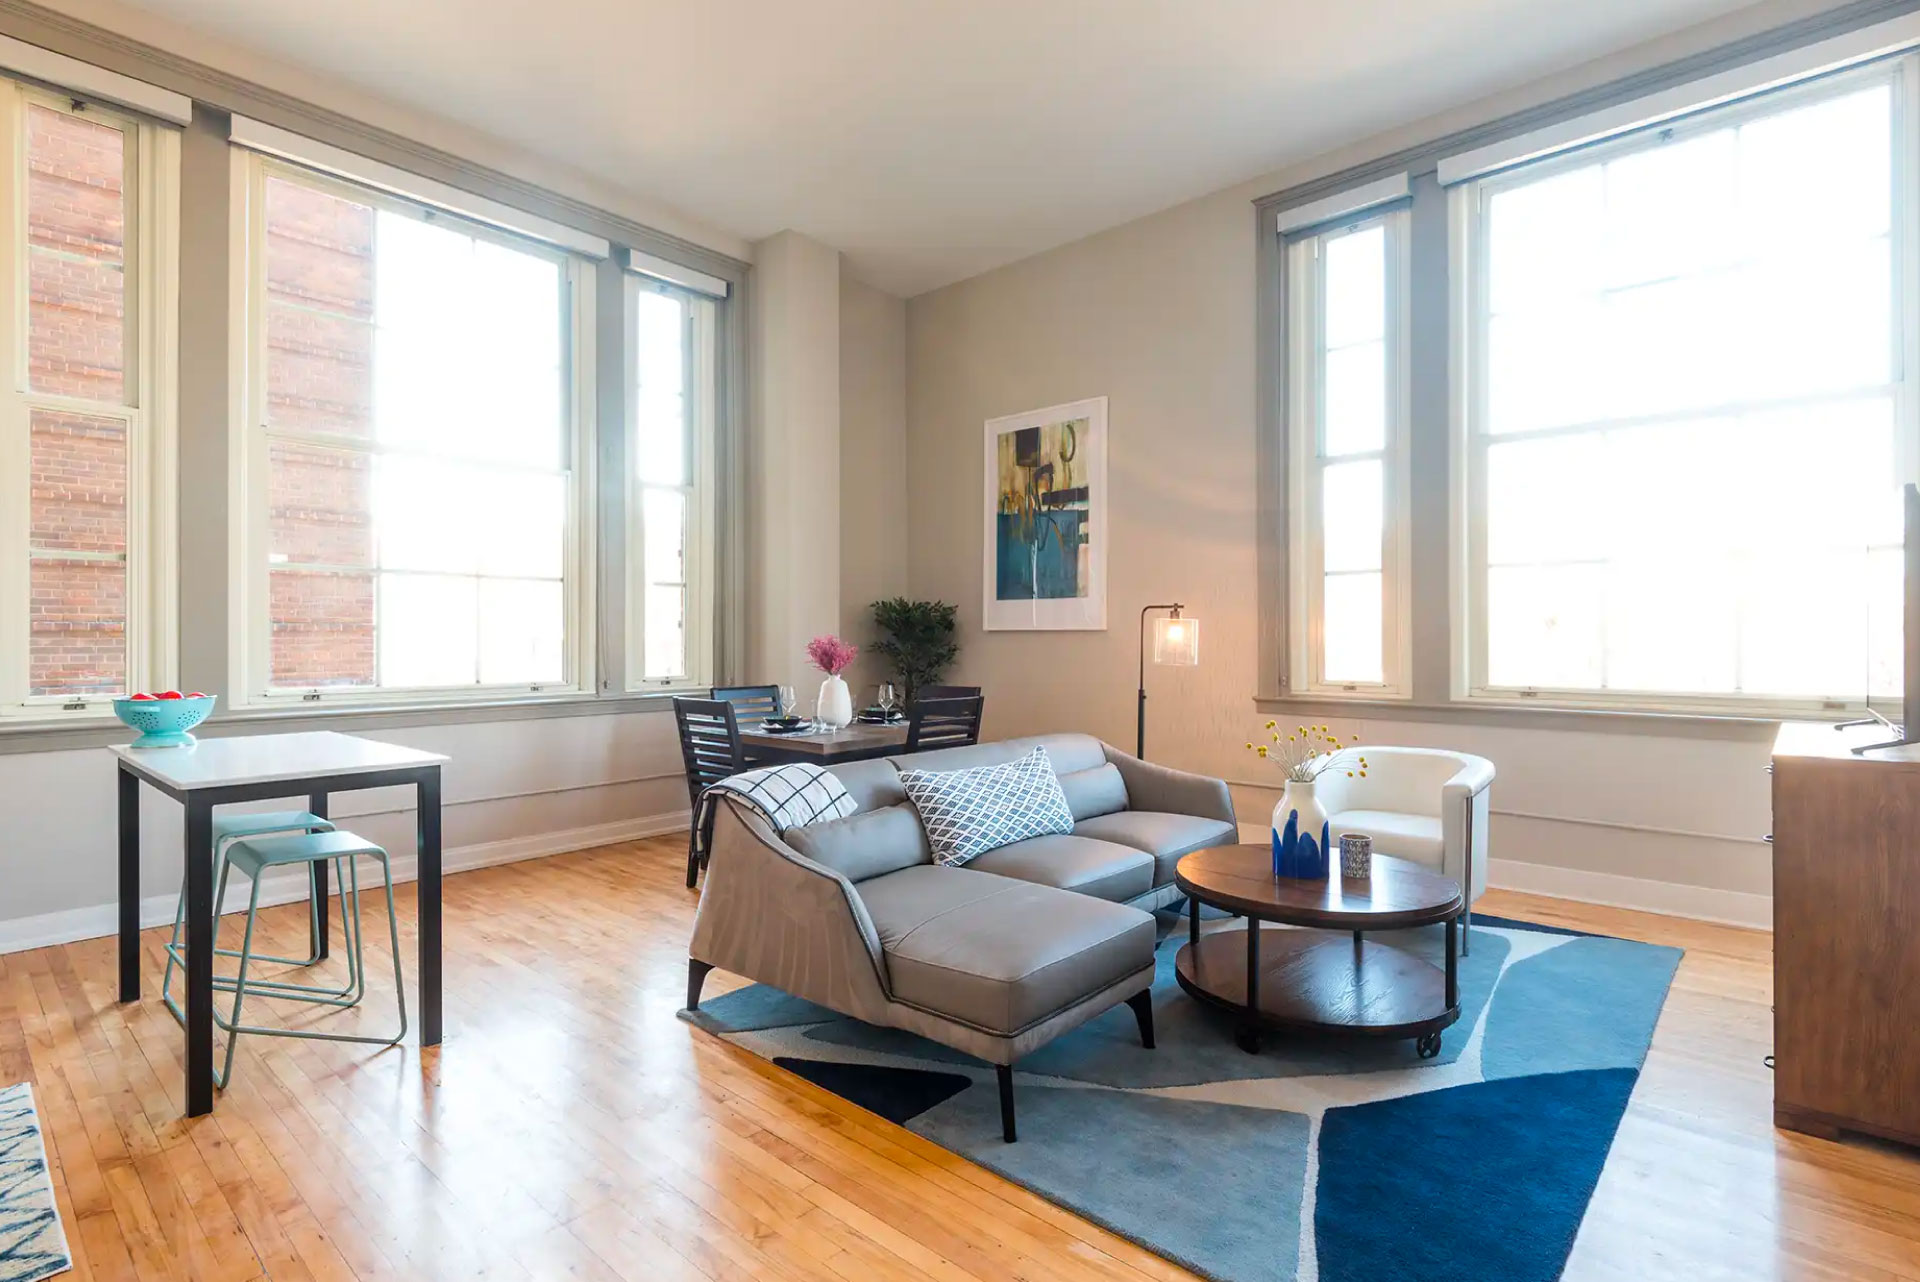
[(1176, 641)]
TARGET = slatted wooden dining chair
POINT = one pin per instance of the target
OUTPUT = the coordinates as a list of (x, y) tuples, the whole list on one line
[(751, 703), (946, 692), (710, 746), (944, 723)]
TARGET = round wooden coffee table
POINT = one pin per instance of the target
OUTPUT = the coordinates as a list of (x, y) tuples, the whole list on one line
[(1328, 977)]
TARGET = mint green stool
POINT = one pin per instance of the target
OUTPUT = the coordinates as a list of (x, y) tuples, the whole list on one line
[(226, 830), (252, 857)]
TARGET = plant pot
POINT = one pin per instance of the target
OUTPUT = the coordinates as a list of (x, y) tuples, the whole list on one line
[(835, 707), (1300, 833)]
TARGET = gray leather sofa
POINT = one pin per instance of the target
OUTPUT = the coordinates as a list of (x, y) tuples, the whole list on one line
[(994, 958)]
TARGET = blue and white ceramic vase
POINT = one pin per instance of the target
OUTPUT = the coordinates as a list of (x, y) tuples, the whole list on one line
[(1300, 833)]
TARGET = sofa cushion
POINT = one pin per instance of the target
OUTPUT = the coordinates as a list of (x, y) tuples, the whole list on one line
[(1097, 868), (1099, 791), (999, 954), (968, 812), (1164, 836), (868, 844), (1414, 837), (1068, 752), (871, 784)]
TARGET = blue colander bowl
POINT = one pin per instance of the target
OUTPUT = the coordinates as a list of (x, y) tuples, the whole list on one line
[(163, 723)]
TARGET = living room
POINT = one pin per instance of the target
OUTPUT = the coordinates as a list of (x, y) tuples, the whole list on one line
[(1300, 563)]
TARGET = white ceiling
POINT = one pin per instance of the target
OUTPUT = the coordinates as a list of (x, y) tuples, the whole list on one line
[(932, 139)]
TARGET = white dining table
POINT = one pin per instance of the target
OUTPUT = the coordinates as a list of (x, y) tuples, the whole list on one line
[(239, 768)]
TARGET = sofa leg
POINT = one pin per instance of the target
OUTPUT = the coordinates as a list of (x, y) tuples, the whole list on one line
[(696, 979), (1142, 1003), (1005, 1073)]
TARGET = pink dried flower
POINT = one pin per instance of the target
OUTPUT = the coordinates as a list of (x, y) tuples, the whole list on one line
[(831, 655)]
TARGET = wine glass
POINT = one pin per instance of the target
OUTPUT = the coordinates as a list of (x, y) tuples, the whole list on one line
[(788, 702), (887, 699)]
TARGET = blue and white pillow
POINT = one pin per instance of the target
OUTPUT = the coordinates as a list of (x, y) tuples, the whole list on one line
[(969, 812)]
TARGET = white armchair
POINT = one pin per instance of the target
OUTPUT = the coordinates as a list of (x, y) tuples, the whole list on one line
[(1423, 804)]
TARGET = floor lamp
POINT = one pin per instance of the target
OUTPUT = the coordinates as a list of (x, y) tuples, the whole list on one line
[(1176, 643)]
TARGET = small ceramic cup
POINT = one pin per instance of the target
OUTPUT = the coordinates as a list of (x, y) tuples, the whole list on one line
[(1356, 855)]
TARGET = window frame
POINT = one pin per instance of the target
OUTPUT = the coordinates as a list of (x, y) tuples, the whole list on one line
[(250, 638), (151, 246), (700, 323), (1469, 284), (1304, 358)]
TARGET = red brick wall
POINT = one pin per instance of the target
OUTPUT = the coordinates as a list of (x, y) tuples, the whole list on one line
[(76, 224), (320, 378)]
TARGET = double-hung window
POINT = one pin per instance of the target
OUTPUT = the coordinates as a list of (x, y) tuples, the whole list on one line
[(87, 275), (1687, 403), (418, 480), (670, 490), (1347, 457)]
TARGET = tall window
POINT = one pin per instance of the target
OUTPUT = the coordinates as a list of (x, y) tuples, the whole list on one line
[(1688, 395), (418, 459), (85, 429), (1347, 414), (670, 492)]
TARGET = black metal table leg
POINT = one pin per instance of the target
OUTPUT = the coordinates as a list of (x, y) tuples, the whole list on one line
[(1248, 1039), (129, 789), (198, 852), (1453, 963), (317, 804), (1193, 920), (428, 886)]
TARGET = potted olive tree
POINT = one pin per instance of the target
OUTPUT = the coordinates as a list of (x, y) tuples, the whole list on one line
[(917, 639)]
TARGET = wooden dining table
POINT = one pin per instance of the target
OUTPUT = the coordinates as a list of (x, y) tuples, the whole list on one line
[(856, 742)]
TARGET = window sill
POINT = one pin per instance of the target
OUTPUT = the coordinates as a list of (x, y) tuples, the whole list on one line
[(1756, 727), (99, 732)]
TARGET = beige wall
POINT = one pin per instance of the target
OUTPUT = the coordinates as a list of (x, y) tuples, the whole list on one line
[(1159, 316), (873, 466)]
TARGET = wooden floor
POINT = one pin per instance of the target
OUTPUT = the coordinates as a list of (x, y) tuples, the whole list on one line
[(572, 1127)]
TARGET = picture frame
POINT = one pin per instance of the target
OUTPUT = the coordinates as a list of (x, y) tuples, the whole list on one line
[(1044, 562)]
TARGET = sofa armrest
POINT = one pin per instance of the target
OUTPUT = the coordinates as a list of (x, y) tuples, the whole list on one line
[(769, 913), (1152, 787)]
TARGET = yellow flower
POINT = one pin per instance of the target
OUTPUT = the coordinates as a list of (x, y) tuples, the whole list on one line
[(1261, 750), (1249, 746), (1349, 774), (1269, 725)]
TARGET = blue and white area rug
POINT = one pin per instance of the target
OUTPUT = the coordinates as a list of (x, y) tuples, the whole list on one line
[(1317, 1160), (31, 1243)]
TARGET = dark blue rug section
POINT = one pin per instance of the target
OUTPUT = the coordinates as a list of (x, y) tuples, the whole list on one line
[(897, 1094), (1506, 1171), (1538, 928)]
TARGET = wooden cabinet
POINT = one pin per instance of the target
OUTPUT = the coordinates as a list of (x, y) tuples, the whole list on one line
[(1846, 932)]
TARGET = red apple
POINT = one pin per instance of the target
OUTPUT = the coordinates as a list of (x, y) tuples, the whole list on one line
[(146, 698), (169, 694), (196, 695)]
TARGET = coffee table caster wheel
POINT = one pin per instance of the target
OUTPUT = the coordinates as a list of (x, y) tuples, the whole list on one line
[(1247, 1040), (1428, 1046)]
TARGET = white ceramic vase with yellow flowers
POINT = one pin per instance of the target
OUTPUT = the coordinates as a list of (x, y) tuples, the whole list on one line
[(1305, 754)]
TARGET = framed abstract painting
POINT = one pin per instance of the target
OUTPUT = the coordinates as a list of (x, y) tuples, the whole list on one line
[(1046, 526)]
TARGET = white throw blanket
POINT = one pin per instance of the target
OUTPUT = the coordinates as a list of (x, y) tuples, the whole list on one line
[(786, 796)]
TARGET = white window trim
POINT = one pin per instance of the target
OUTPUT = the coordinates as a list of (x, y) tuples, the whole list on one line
[(702, 347), (90, 81), (1345, 205), (1467, 302), (641, 263), (270, 140), (249, 635), (1304, 537), (152, 294)]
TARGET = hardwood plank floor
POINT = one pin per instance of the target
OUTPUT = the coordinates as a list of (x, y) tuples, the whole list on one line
[(572, 1127)]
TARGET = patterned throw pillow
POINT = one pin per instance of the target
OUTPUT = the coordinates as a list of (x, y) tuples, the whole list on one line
[(789, 796), (969, 812)]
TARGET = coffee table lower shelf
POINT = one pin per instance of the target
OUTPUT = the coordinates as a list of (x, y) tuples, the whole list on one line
[(1320, 981)]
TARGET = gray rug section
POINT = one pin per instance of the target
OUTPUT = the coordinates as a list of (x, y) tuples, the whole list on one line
[(1122, 1160)]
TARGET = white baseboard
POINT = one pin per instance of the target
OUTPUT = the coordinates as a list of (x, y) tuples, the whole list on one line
[(287, 885), (1675, 899)]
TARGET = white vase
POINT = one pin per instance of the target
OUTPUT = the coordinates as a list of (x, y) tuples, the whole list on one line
[(1313, 816), (835, 707)]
